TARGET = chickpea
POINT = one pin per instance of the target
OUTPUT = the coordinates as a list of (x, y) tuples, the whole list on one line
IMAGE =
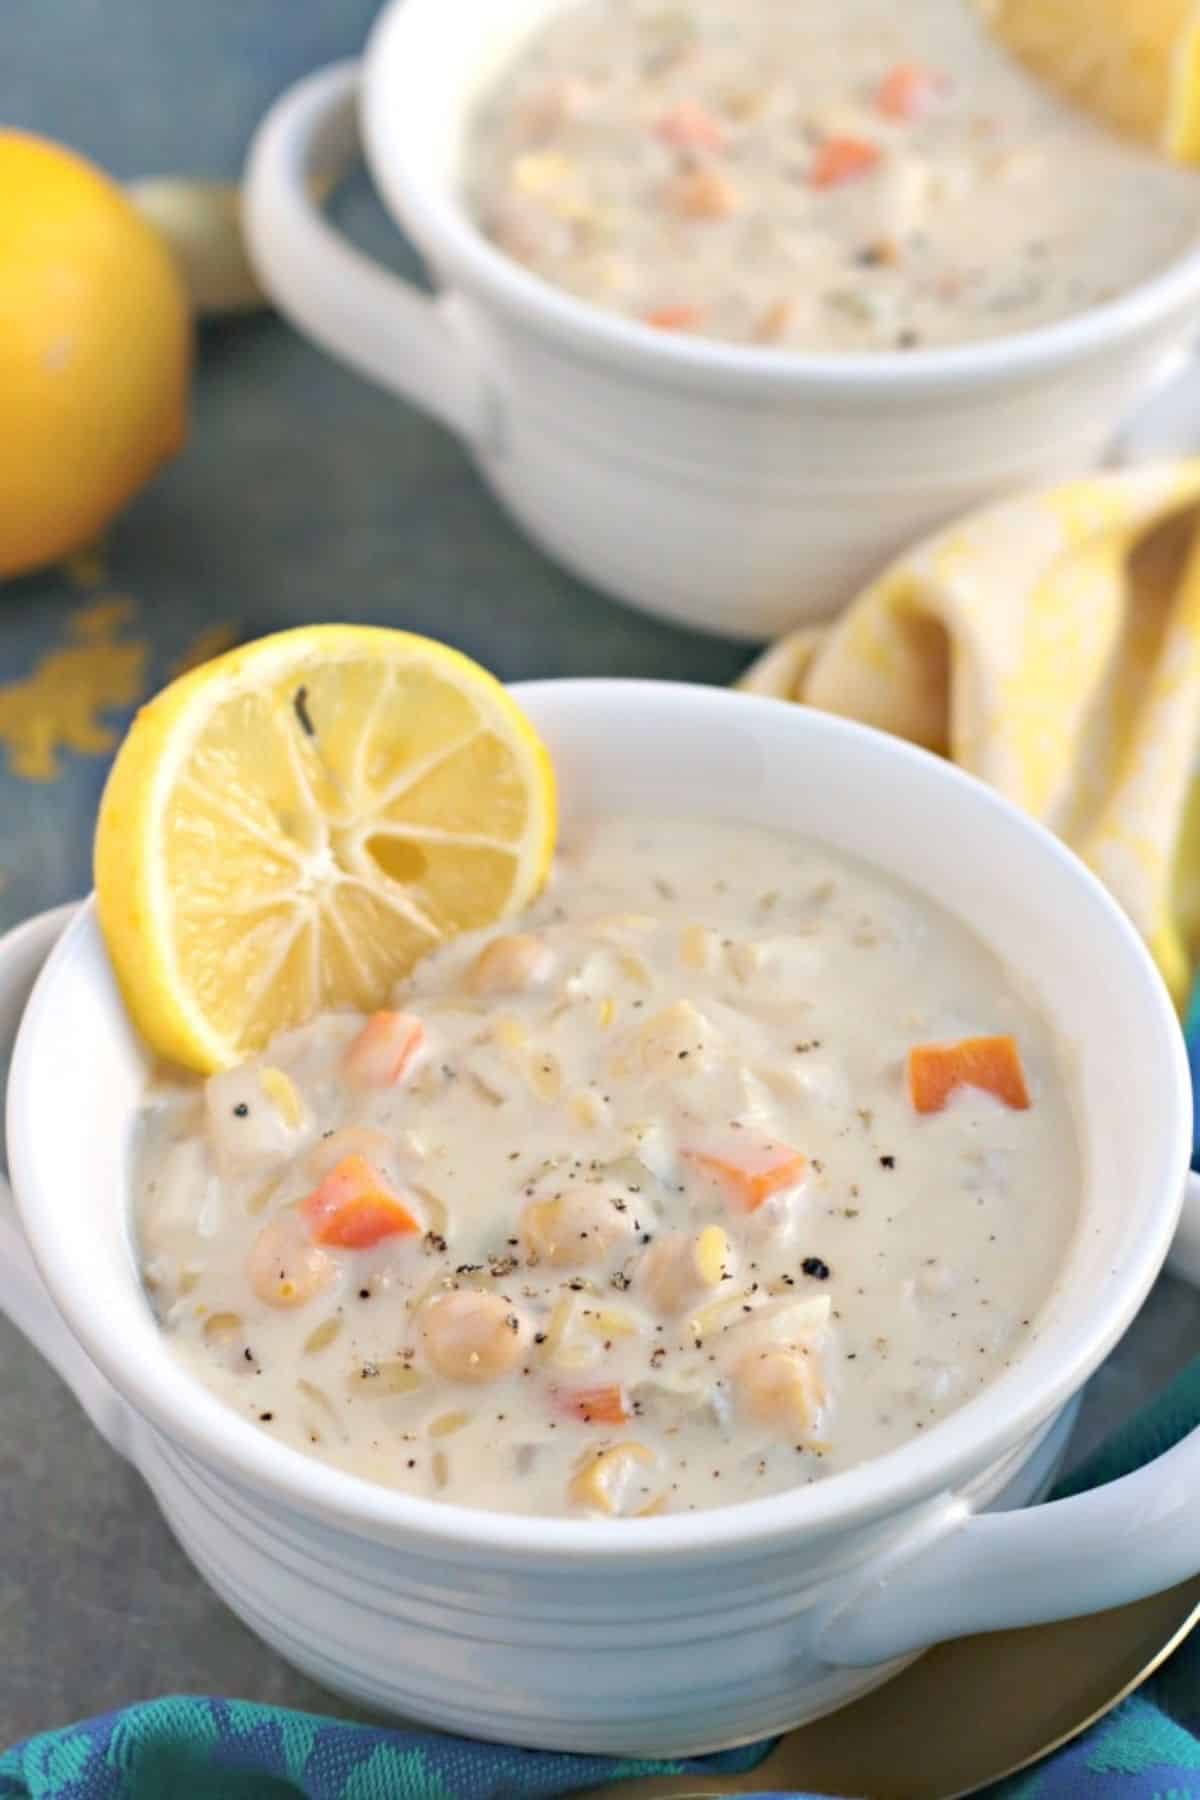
[(677, 1270), (677, 1041), (285, 1267), (573, 1229), (471, 1336), (510, 964), (702, 194), (665, 1273), (782, 1388)]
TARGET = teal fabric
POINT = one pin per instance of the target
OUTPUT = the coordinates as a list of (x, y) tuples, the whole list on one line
[(230, 1750), (210, 1749)]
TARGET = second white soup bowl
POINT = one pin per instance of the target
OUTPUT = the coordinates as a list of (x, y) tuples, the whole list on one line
[(681, 1633), (738, 489)]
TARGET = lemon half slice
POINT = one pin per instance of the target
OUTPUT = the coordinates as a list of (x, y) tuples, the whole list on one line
[(292, 826), (1133, 63)]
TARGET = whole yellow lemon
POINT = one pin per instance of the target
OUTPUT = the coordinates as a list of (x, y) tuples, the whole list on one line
[(95, 351)]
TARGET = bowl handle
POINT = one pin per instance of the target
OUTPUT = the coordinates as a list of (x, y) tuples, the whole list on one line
[(23, 1293), (1132, 1537), (377, 322), (1061, 1560)]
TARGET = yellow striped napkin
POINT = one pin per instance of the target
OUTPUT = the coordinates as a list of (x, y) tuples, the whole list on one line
[(1050, 645)]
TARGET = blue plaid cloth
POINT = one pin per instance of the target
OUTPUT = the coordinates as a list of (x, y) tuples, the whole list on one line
[(210, 1749)]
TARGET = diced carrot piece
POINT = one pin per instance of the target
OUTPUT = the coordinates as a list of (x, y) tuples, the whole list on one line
[(690, 126), (595, 1406), (907, 90), (841, 159), (674, 318), (751, 1172), (382, 1053), (353, 1208), (990, 1063)]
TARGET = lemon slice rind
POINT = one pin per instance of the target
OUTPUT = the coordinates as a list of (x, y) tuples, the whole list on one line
[(251, 871)]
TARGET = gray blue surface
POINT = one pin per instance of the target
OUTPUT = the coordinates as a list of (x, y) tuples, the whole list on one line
[(303, 494)]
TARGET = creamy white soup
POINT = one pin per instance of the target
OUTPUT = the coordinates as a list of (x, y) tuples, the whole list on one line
[(832, 175), (729, 1165)]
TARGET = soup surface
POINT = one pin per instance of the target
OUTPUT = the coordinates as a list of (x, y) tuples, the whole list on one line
[(642, 1205), (832, 175)]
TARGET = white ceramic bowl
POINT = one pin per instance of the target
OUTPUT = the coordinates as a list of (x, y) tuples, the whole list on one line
[(655, 1636), (737, 489)]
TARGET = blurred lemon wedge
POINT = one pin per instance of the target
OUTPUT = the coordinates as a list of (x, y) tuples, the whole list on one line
[(1135, 64), (290, 827)]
